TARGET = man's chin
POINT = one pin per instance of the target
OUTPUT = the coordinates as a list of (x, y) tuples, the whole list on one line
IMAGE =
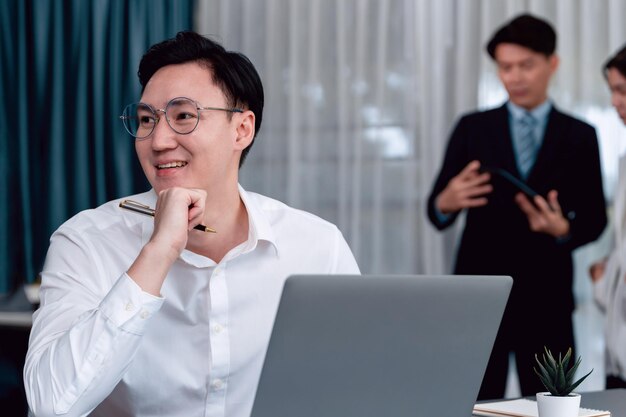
[(160, 185), (524, 103)]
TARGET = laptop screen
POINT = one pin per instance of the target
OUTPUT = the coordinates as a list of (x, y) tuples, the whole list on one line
[(358, 346)]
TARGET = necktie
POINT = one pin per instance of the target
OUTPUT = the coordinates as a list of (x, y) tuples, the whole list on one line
[(527, 145)]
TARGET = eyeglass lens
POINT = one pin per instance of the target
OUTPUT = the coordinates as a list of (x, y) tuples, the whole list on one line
[(140, 119)]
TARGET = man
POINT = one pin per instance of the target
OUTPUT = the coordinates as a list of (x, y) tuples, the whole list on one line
[(495, 162), (150, 317), (609, 275)]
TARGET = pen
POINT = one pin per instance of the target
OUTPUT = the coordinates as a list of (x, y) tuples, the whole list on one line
[(148, 211)]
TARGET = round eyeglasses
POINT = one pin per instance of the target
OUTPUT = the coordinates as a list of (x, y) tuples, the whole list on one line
[(181, 113)]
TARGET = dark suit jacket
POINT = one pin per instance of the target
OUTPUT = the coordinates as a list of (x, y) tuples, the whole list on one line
[(497, 238)]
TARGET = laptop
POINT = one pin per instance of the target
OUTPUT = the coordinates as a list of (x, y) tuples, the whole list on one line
[(398, 346)]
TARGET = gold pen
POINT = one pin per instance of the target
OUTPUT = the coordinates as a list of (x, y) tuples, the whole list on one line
[(148, 211)]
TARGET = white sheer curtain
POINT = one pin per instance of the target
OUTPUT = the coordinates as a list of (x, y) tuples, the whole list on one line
[(361, 96)]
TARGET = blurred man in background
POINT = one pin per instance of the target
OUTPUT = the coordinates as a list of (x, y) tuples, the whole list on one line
[(529, 178)]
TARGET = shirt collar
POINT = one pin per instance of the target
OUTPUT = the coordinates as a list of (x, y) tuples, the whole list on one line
[(539, 113), (258, 223)]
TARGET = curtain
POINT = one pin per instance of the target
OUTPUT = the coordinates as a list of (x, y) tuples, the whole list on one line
[(361, 96), (347, 113), (67, 68)]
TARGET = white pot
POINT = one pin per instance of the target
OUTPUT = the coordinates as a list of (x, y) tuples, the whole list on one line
[(549, 405)]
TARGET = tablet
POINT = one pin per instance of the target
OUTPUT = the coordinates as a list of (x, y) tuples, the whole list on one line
[(511, 179)]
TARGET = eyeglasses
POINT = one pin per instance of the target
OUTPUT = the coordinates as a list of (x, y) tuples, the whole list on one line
[(181, 113)]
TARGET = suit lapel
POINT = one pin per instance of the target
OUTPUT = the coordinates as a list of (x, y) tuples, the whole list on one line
[(504, 141)]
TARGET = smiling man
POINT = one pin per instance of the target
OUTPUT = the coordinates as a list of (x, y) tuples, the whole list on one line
[(151, 317), (529, 178)]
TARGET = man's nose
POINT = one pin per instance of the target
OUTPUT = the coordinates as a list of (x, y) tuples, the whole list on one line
[(515, 75), (163, 136)]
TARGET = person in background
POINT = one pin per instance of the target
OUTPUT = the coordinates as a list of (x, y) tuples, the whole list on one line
[(151, 317), (529, 178), (609, 274)]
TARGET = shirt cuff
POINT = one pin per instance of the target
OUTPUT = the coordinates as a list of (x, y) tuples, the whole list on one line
[(441, 218), (561, 240), (128, 306)]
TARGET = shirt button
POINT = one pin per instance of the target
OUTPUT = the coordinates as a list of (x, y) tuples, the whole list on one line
[(129, 306), (217, 328), (218, 270), (218, 384), (144, 314)]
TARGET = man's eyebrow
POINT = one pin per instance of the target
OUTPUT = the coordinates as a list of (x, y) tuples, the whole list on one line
[(528, 60)]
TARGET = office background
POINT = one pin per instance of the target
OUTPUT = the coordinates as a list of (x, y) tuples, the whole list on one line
[(360, 98)]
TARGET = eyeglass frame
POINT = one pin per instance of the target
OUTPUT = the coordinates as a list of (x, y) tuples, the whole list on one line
[(154, 111)]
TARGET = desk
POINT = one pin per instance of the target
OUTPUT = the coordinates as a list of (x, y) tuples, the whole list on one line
[(613, 400), (21, 319)]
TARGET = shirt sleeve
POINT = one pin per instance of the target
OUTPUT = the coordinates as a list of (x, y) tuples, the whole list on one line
[(584, 204), (455, 159), (604, 287), (86, 332)]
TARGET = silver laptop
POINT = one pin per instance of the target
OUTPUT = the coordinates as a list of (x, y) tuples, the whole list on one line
[(397, 346)]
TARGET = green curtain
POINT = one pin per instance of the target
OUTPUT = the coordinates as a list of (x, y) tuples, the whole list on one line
[(67, 68)]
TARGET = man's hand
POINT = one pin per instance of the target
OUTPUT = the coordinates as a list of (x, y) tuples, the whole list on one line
[(596, 270), (178, 210), (467, 189), (544, 216)]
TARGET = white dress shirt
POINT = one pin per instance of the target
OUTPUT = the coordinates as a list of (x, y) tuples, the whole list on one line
[(610, 291), (101, 345)]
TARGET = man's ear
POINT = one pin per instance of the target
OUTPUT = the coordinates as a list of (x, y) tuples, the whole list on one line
[(554, 62), (245, 129)]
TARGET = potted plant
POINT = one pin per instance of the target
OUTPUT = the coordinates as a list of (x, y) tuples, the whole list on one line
[(558, 378)]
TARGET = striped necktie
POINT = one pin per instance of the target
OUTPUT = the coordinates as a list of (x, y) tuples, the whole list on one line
[(526, 144)]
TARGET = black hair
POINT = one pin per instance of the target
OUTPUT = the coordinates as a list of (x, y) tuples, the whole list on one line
[(617, 61), (528, 31), (231, 71)]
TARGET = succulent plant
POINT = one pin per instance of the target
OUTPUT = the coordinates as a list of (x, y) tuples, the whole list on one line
[(558, 375)]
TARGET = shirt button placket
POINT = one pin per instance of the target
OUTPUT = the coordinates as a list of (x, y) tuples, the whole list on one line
[(220, 340)]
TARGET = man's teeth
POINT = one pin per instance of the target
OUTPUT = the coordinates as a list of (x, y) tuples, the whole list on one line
[(172, 165)]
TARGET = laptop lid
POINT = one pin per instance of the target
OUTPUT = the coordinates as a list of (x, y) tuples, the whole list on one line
[(359, 346)]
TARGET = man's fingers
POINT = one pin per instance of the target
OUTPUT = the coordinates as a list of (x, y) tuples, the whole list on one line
[(195, 213), (543, 205), (463, 188), (476, 202), (469, 170), (478, 180), (525, 204), (479, 191), (553, 200)]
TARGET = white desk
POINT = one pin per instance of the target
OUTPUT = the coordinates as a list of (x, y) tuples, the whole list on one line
[(613, 400)]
